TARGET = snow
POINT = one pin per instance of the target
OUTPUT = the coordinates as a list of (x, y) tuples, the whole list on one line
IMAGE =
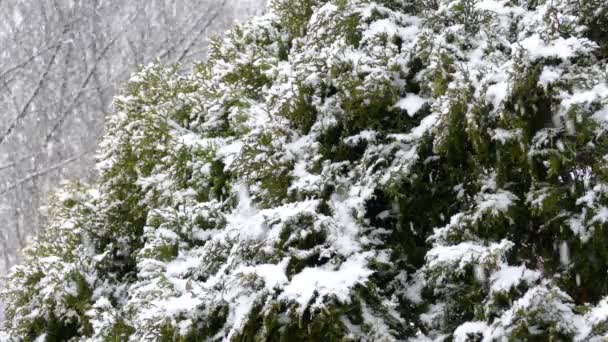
[(577, 226), (191, 139), (468, 329), (304, 179), (496, 6), (599, 314), (562, 48), (273, 275), (413, 291), (564, 254), (203, 235), (323, 281), (182, 266), (411, 103), (598, 92), (238, 314), (416, 133), (381, 26), (549, 75), (457, 257), (381, 330), (497, 93), (494, 204), (17, 17), (68, 225), (347, 229), (230, 151), (433, 316), (365, 135), (503, 136), (547, 302), (174, 305), (601, 115), (507, 277), (136, 78), (50, 260), (601, 216), (245, 218)]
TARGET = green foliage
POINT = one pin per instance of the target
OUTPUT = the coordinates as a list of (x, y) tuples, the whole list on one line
[(335, 149), (529, 104), (311, 325), (294, 15), (368, 105), (271, 174), (120, 331), (419, 207), (442, 75), (352, 33), (594, 15), (302, 112), (284, 322), (250, 76)]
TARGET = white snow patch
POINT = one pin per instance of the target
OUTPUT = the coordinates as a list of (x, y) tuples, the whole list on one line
[(229, 152), (496, 93), (365, 135), (411, 103), (328, 282), (509, 276), (465, 253), (243, 218), (470, 329), (601, 216), (564, 254), (304, 179), (600, 91), (494, 204), (238, 315), (503, 135), (416, 133), (549, 75), (601, 115), (562, 48), (273, 274), (347, 229)]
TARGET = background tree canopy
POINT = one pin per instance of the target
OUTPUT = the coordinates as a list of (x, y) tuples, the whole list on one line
[(60, 65)]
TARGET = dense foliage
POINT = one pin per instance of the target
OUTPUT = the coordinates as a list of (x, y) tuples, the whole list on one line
[(346, 170)]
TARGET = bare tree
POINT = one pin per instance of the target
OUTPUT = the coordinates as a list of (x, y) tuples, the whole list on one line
[(60, 65)]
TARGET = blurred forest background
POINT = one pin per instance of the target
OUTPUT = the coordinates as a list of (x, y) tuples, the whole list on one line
[(61, 62)]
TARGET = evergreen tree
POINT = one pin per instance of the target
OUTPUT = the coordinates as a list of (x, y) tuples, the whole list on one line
[(361, 170)]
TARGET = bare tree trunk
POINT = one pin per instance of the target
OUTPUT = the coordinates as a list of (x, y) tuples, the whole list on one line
[(61, 62)]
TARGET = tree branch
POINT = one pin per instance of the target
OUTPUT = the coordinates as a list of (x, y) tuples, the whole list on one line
[(81, 90), (23, 112), (205, 27), (42, 172)]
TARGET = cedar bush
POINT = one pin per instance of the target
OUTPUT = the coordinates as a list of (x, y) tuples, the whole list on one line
[(345, 170)]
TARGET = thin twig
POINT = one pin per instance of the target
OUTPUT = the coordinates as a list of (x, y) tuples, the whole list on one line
[(42, 172), (203, 29), (25, 108), (81, 90)]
